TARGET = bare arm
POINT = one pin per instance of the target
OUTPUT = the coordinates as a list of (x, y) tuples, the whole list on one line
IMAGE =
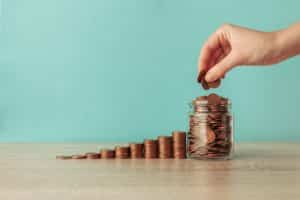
[(231, 46)]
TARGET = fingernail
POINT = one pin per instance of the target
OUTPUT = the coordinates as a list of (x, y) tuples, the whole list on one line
[(210, 77)]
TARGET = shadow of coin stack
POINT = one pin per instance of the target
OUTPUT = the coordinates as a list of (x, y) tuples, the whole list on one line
[(164, 147)]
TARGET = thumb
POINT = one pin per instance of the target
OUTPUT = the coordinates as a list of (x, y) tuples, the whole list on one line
[(219, 70)]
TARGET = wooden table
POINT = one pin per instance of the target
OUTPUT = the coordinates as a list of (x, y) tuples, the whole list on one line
[(258, 171)]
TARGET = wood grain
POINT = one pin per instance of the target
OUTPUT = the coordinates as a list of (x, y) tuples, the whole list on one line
[(258, 171)]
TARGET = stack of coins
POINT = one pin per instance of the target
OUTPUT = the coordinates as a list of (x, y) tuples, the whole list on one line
[(150, 148), (78, 157), (122, 152), (62, 157), (179, 144), (92, 155), (136, 150), (165, 147), (210, 134), (107, 153), (205, 84)]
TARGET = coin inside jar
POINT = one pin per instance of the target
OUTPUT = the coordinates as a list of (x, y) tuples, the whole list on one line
[(210, 135)]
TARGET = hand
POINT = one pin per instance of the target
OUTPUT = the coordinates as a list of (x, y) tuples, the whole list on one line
[(231, 46)]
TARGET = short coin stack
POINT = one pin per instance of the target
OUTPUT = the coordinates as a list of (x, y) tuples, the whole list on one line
[(210, 134), (107, 153), (136, 150), (179, 144), (122, 152), (165, 147), (151, 148), (93, 155)]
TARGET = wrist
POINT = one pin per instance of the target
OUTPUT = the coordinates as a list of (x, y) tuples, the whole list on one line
[(287, 42), (279, 47)]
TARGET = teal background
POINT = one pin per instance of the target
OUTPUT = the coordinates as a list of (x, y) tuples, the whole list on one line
[(115, 70)]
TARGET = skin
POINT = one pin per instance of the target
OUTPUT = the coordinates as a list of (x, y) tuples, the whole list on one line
[(231, 46)]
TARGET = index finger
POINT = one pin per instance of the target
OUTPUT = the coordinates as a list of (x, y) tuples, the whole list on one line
[(207, 52)]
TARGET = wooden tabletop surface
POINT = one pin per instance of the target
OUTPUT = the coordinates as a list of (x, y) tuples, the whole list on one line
[(258, 171)]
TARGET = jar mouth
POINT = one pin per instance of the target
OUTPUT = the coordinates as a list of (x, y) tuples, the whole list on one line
[(212, 99), (209, 108), (207, 103)]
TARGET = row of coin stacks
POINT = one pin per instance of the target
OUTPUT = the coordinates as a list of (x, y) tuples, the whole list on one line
[(164, 147)]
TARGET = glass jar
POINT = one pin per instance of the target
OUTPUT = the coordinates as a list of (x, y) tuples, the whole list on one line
[(210, 134)]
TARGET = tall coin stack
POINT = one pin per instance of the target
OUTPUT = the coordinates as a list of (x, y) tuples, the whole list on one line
[(210, 135), (179, 144)]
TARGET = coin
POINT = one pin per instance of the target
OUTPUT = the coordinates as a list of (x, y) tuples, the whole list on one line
[(78, 157), (201, 76), (213, 99), (164, 147), (107, 153), (136, 150), (179, 144), (92, 155), (214, 84), (63, 157), (210, 135), (122, 152), (150, 148), (207, 85)]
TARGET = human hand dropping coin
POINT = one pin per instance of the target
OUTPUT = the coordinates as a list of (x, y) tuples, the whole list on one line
[(231, 46)]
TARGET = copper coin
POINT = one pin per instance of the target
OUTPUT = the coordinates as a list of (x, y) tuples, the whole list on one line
[(214, 84), (107, 153), (78, 157), (122, 152), (136, 150), (201, 76), (205, 85), (210, 135), (63, 157), (221, 136), (165, 149), (93, 155), (150, 148), (179, 144), (213, 99), (178, 135)]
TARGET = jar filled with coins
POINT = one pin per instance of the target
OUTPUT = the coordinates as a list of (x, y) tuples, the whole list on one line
[(210, 133)]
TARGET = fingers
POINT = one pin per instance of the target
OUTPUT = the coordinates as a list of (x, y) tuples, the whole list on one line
[(208, 52), (219, 70)]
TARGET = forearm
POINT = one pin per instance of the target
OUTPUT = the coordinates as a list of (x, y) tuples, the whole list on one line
[(288, 42)]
